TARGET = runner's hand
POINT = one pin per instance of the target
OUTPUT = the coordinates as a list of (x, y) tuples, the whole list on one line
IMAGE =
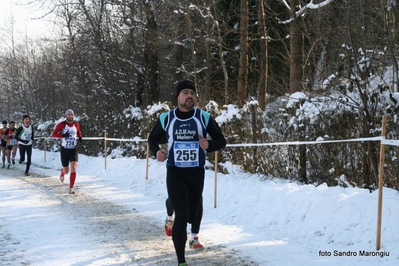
[(162, 154), (65, 135), (203, 142)]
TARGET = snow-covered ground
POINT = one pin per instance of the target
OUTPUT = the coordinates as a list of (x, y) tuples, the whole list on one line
[(117, 218)]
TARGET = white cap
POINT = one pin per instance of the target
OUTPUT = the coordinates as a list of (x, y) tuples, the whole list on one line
[(69, 111)]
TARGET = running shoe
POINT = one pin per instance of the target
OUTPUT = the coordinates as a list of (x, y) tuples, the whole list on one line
[(71, 191), (27, 173), (8, 166), (62, 178), (195, 244), (183, 264), (168, 227), (13, 161)]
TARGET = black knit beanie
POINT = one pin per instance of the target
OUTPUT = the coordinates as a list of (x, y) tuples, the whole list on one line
[(185, 84)]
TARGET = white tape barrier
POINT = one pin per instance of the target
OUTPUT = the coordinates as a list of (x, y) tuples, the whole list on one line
[(390, 142), (100, 138), (304, 142), (382, 139)]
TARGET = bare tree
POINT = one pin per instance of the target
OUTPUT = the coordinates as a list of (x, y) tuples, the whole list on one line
[(263, 77), (217, 40), (243, 71), (295, 49)]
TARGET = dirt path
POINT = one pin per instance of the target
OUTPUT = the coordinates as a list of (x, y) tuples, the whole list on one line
[(115, 234)]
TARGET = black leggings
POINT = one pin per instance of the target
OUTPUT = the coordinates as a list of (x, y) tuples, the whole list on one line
[(28, 150), (185, 186), (195, 225)]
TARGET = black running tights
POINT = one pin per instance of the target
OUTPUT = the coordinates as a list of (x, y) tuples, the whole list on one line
[(28, 150), (185, 186)]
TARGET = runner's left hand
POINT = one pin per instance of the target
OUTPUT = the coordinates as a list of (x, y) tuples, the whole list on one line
[(203, 142)]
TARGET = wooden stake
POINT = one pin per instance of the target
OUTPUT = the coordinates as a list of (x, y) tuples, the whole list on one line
[(105, 150), (216, 179), (44, 141), (381, 184), (148, 156)]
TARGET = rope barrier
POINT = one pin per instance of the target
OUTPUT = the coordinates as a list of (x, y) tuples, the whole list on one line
[(305, 142), (393, 142), (382, 139)]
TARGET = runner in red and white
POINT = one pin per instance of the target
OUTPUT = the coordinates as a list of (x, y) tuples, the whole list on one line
[(69, 133)]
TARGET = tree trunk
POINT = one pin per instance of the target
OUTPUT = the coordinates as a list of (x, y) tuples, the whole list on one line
[(302, 164), (207, 94), (243, 72), (263, 57), (295, 50), (151, 56), (193, 52)]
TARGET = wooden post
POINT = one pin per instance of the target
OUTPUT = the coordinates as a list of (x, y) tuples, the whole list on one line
[(216, 179), (44, 145), (105, 150), (148, 156), (381, 184)]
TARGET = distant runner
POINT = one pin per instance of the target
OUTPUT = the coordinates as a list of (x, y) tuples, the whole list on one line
[(25, 136), (3, 143), (11, 144)]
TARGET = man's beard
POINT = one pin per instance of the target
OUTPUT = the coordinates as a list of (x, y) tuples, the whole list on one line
[(188, 105), (69, 120)]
